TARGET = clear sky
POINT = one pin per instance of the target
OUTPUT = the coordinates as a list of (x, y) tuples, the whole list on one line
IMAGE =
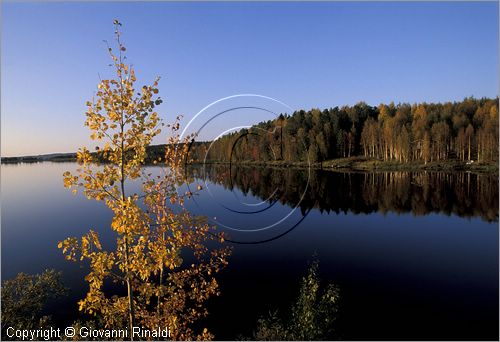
[(304, 54)]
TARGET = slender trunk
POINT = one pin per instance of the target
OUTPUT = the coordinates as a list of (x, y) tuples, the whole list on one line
[(160, 292), (130, 296), (130, 292), (469, 148), (478, 151), (126, 247), (281, 141), (128, 280)]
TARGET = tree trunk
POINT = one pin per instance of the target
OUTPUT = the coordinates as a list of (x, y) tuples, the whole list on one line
[(469, 148)]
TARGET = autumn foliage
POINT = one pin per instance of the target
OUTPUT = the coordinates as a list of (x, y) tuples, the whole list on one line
[(406, 133), (161, 256)]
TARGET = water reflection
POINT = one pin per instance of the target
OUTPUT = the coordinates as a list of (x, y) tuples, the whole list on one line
[(460, 193), (426, 276)]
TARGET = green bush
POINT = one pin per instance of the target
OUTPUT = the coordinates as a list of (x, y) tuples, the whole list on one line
[(312, 316), (24, 299)]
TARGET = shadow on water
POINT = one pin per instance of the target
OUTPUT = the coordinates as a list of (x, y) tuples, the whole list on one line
[(463, 194), (415, 254)]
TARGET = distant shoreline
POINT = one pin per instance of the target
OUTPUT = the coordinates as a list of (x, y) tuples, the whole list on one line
[(341, 164), (53, 157)]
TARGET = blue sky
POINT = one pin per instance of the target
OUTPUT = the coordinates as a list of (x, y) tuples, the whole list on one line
[(304, 54)]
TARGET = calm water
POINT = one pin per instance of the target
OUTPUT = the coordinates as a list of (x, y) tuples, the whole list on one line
[(415, 254)]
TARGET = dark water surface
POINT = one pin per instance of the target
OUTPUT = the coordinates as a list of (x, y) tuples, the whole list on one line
[(415, 254)]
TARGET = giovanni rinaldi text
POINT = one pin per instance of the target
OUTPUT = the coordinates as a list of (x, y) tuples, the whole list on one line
[(86, 332)]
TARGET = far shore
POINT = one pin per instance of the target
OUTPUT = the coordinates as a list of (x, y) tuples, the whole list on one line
[(53, 157), (341, 164)]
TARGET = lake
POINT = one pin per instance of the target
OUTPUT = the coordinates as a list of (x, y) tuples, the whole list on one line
[(415, 254)]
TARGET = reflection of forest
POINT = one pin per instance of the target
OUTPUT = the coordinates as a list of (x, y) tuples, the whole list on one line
[(460, 193)]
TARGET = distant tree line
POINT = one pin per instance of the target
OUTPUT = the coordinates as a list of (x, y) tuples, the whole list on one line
[(425, 132)]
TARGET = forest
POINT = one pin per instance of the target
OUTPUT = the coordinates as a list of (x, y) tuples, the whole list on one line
[(464, 131)]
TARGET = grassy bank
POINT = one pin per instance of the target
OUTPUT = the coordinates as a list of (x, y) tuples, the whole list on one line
[(368, 164)]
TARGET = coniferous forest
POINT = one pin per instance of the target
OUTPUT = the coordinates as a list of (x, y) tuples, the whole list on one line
[(426, 132)]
